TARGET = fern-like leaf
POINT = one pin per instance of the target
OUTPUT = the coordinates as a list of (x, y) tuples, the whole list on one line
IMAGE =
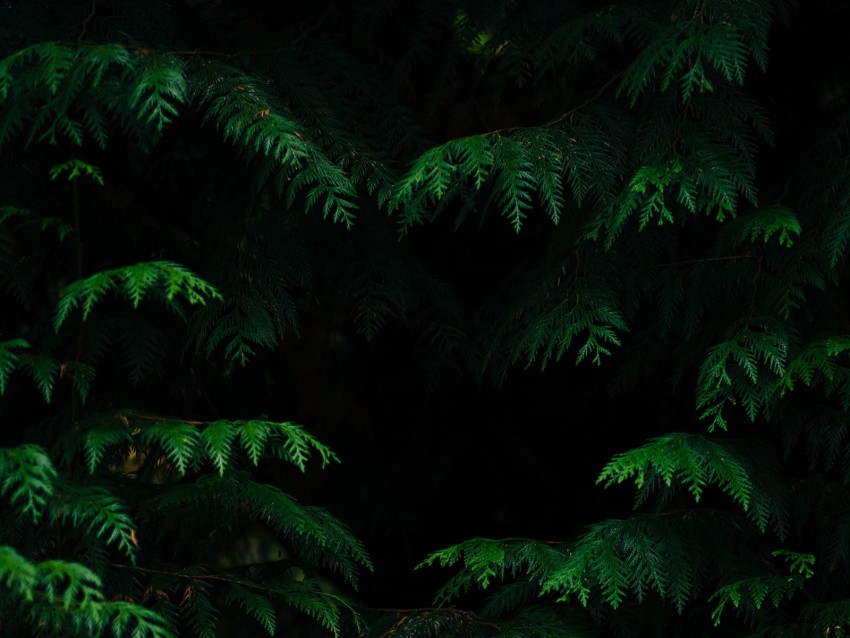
[(75, 169), (17, 575), (97, 440), (134, 282), (190, 444), (28, 476), (179, 441), (761, 226), (129, 619), (745, 367), (254, 604), (696, 462), (99, 512), (159, 88), (486, 560), (43, 370), (307, 597), (69, 597), (218, 438), (198, 609), (9, 358), (247, 114), (318, 537), (750, 594)]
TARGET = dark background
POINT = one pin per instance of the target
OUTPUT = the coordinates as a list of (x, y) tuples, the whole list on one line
[(433, 452)]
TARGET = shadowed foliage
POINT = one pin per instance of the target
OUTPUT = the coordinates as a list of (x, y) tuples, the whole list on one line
[(419, 228)]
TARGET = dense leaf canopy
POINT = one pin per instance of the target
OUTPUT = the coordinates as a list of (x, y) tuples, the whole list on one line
[(484, 253)]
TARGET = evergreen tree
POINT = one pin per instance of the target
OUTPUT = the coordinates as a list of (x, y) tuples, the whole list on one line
[(190, 187)]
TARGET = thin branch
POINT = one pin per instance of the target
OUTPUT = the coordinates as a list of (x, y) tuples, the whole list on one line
[(164, 572), (85, 25), (404, 614), (179, 52), (153, 417), (705, 259), (563, 116)]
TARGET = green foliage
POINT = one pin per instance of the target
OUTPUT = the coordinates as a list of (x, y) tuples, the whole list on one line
[(307, 597), (248, 115), (516, 169), (695, 462), (9, 358), (43, 370), (736, 369), (168, 152), (198, 610), (24, 216), (158, 88), (191, 444), (762, 225), (99, 512), (28, 478), (748, 595), (62, 598), (132, 445), (254, 604), (134, 282), (321, 539), (75, 169), (51, 74), (486, 560)]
